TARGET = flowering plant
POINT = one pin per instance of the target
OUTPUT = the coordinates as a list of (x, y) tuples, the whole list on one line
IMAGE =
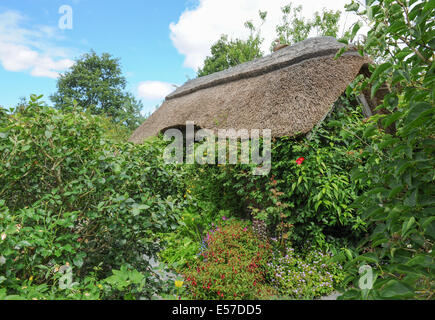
[(299, 161), (304, 276), (233, 265)]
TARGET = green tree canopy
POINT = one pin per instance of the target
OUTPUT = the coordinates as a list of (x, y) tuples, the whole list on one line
[(295, 28), (97, 84), (226, 53), (229, 53)]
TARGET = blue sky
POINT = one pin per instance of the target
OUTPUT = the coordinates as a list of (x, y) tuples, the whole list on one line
[(159, 43)]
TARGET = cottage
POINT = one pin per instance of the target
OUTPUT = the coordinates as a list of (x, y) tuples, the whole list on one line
[(289, 92)]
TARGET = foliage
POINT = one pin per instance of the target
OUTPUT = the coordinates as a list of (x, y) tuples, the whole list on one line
[(295, 28), (85, 216), (326, 23), (309, 200), (26, 289), (227, 53), (305, 276), (182, 246), (178, 250), (399, 206), (232, 267), (127, 283), (114, 132), (69, 196), (97, 84)]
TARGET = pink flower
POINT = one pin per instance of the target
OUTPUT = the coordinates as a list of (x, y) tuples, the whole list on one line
[(246, 229)]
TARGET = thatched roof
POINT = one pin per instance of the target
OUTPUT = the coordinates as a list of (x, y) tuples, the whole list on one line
[(289, 92)]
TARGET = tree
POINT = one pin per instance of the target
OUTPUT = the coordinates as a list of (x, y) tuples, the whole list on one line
[(22, 104), (326, 23), (399, 206), (97, 84), (295, 28), (228, 53)]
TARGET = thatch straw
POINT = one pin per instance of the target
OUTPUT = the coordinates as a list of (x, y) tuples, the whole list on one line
[(289, 92)]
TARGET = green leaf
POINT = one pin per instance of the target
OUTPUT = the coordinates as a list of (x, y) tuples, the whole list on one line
[(354, 6), (380, 70), (396, 27), (395, 289), (411, 200), (395, 191), (367, 257), (390, 119), (403, 54), (370, 131), (375, 87), (341, 52), (417, 110), (357, 26), (407, 225), (429, 229), (138, 208)]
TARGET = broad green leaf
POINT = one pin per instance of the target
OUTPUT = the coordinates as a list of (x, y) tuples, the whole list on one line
[(395, 289), (417, 110), (407, 225), (380, 70)]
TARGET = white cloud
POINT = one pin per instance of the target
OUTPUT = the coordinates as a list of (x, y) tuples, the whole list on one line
[(24, 49), (154, 90), (199, 27)]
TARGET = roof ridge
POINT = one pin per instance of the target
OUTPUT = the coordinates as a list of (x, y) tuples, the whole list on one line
[(283, 58)]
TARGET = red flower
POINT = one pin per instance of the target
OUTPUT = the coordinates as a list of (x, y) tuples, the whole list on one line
[(300, 161)]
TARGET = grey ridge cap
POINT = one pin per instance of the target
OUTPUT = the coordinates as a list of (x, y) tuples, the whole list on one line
[(301, 51)]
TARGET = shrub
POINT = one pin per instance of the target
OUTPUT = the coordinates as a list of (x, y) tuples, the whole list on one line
[(233, 266), (399, 207), (309, 193), (305, 276), (182, 245), (68, 195)]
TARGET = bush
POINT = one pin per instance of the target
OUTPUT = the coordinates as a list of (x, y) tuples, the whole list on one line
[(182, 246), (305, 276), (70, 196), (233, 266), (309, 193), (399, 207)]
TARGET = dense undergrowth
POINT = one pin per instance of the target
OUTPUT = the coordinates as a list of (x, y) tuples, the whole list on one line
[(71, 196), (300, 202), (84, 215)]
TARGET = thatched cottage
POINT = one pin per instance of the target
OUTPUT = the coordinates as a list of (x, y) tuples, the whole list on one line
[(290, 92)]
